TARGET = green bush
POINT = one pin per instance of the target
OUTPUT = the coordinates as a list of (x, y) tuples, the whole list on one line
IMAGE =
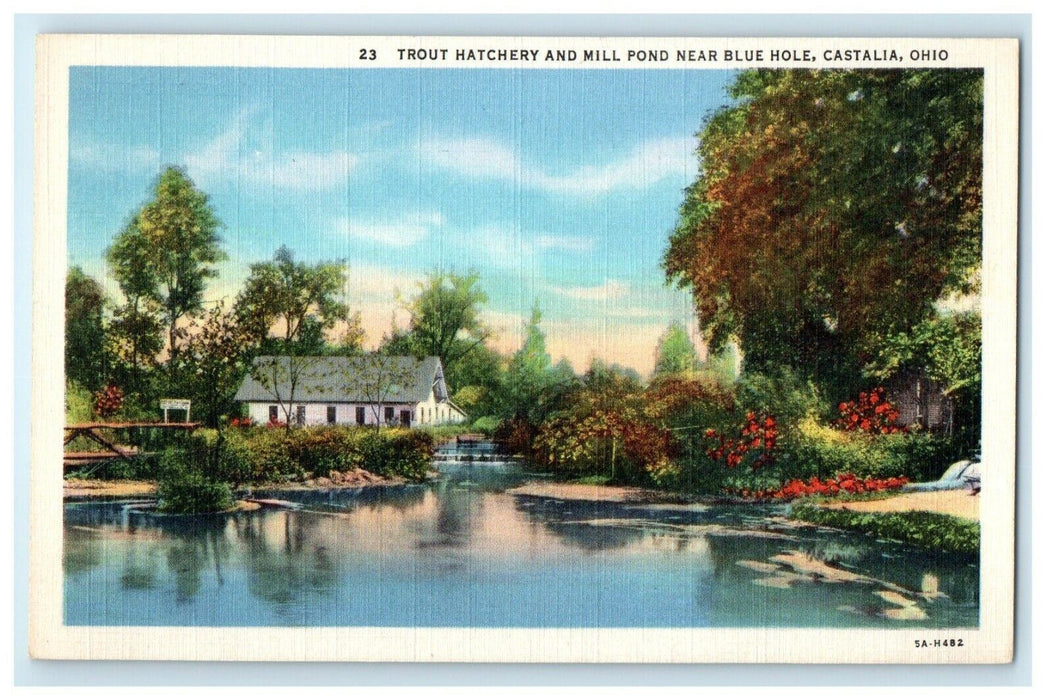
[(263, 454), (78, 404), (396, 452), (929, 530), (184, 488), (486, 424), (917, 456)]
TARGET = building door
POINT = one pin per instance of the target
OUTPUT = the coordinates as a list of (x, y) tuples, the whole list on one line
[(404, 418), (301, 415), (330, 415), (360, 415)]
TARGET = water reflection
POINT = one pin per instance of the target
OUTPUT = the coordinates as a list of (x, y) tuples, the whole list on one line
[(461, 551)]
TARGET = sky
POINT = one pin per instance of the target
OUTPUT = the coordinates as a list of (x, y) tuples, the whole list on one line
[(559, 187)]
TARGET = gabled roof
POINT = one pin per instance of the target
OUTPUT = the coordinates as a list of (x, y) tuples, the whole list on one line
[(363, 379)]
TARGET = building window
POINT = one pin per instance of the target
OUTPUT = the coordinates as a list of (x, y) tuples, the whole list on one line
[(389, 414), (330, 414), (360, 415), (272, 413), (301, 415), (404, 418)]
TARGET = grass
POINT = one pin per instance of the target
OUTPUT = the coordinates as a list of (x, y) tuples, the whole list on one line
[(923, 529)]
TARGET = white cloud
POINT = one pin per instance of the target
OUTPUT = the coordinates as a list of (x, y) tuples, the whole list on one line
[(568, 244), (229, 156), (608, 291), (113, 158), (648, 163), (400, 232)]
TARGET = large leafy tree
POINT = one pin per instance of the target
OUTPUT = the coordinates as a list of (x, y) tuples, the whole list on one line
[(85, 331), (833, 208), (446, 319), (169, 250), (296, 300)]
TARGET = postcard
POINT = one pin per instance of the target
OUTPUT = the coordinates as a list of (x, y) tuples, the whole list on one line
[(524, 349)]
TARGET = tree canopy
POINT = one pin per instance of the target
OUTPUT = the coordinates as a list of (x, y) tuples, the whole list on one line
[(302, 300), (832, 209), (446, 319), (169, 249), (85, 331)]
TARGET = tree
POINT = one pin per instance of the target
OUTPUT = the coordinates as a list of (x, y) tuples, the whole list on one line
[(832, 210), (85, 331), (169, 250), (212, 361), (445, 318), (134, 338), (533, 388), (675, 353), (296, 297)]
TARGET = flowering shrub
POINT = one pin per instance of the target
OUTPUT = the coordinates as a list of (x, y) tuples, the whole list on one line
[(871, 413), (605, 441), (271, 424), (240, 422), (842, 483), (756, 442), (108, 401)]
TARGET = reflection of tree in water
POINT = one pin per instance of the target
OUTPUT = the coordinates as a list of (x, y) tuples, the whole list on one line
[(140, 572), (282, 562), (196, 544), (570, 522), (455, 507), (80, 551)]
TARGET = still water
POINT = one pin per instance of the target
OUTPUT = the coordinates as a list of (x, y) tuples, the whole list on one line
[(463, 552)]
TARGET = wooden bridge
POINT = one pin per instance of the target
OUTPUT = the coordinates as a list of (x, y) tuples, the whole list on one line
[(111, 450)]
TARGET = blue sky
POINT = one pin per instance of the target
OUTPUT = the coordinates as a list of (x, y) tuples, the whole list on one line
[(560, 186)]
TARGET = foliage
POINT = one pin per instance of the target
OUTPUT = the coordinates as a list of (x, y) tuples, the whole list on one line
[(85, 331), (185, 488), (297, 298), (255, 455), (832, 210), (133, 340), (222, 455), (78, 403), (169, 249), (755, 442), (871, 413), (918, 456), (928, 530), (846, 483), (212, 361), (486, 424), (108, 401), (446, 319), (675, 353)]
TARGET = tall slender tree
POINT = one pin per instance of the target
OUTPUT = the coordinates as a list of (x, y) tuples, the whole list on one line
[(182, 246)]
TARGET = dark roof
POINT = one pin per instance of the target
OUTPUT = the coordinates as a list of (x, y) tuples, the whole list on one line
[(362, 379)]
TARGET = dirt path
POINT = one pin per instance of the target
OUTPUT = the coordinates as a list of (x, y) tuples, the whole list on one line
[(957, 502), (81, 488)]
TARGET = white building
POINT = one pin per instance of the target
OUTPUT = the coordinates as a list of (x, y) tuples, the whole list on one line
[(366, 390)]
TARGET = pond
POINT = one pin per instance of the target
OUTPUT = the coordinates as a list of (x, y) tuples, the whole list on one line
[(462, 551)]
